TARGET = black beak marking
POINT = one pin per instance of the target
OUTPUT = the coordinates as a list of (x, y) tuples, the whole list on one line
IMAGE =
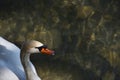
[(40, 48)]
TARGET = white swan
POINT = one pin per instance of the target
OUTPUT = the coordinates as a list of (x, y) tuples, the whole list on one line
[(15, 64)]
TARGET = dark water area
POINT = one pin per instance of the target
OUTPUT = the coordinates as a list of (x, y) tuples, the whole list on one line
[(85, 35), (61, 70)]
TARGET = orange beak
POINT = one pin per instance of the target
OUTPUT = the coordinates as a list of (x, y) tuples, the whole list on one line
[(47, 51)]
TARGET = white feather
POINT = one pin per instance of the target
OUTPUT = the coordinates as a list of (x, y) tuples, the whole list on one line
[(10, 63)]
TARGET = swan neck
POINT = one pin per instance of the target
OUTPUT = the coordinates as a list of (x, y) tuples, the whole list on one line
[(27, 65)]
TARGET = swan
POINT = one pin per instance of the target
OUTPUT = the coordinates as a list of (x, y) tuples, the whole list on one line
[(15, 63)]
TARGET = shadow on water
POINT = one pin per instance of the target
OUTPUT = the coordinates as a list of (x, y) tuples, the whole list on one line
[(56, 69)]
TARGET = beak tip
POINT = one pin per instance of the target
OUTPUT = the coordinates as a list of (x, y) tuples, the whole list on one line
[(53, 53)]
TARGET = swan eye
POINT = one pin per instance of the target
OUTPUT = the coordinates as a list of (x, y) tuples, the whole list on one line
[(43, 49), (40, 48)]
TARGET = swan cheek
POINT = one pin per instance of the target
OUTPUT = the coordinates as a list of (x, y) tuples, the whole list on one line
[(47, 51)]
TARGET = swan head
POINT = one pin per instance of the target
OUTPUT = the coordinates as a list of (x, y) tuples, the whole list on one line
[(36, 47)]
